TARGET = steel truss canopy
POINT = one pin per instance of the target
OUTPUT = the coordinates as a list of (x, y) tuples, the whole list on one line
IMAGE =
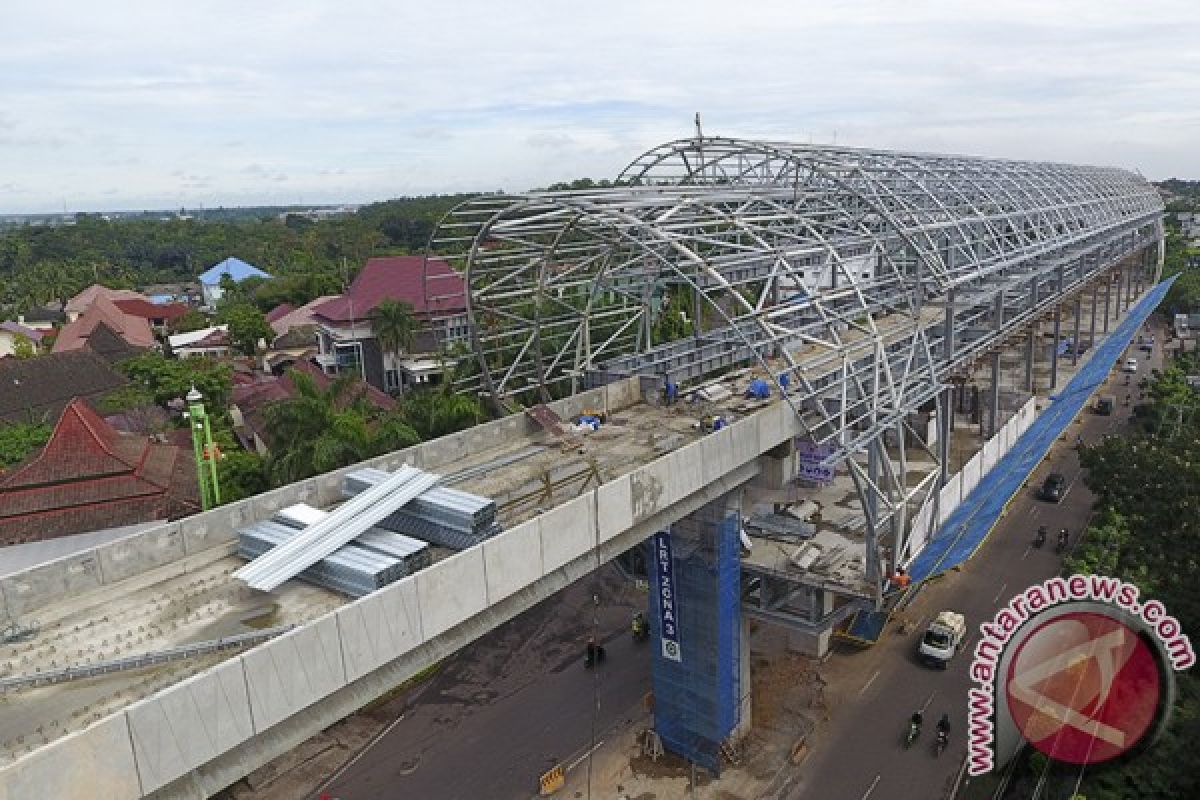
[(865, 276)]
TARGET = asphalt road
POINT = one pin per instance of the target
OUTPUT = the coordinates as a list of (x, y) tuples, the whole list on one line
[(508, 707), (862, 754)]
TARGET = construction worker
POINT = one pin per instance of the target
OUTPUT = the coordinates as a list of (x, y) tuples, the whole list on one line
[(900, 579)]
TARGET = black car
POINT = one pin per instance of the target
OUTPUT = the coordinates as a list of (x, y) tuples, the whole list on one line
[(1053, 488)]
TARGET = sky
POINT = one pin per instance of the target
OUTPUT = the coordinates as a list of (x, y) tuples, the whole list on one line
[(132, 105)]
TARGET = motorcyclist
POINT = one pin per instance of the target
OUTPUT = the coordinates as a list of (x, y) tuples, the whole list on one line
[(1040, 539), (1063, 539), (638, 625), (916, 719), (943, 726)]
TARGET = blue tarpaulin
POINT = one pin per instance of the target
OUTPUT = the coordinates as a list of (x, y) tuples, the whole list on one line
[(758, 389), (966, 528)]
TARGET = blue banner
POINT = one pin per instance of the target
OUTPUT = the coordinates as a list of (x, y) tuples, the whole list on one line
[(667, 599)]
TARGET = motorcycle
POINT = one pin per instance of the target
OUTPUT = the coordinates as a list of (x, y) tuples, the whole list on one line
[(1040, 538), (639, 628), (1063, 541), (594, 654), (943, 739), (914, 730)]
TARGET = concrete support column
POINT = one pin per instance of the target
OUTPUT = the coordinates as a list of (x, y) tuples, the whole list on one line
[(1075, 340), (814, 645), (1057, 331), (745, 683), (1029, 354), (1107, 299), (994, 420), (1092, 319), (945, 411), (1128, 286)]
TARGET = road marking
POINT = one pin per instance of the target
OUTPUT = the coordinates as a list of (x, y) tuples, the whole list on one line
[(928, 700), (591, 750), (996, 599), (867, 685), (1033, 512), (1025, 555), (378, 738), (871, 788)]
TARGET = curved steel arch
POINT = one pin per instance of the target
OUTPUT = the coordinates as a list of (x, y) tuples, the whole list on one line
[(565, 284)]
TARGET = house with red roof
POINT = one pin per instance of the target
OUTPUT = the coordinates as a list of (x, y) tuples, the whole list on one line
[(159, 315), (346, 340), (249, 401), (107, 330), (89, 476)]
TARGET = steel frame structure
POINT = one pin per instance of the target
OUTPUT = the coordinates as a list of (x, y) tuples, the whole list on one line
[(866, 277)]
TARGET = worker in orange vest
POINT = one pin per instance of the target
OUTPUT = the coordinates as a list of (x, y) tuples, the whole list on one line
[(900, 579)]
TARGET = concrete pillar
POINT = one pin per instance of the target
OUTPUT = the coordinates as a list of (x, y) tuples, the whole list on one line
[(814, 645), (1054, 348), (1075, 340), (1107, 299), (1092, 319), (994, 421), (1129, 287), (945, 410), (745, 684), (1029, 354)]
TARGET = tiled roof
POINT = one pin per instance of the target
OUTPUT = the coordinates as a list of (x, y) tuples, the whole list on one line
[(140, 307), (134, 330), (296, 317), (400, 278), (82, 301), (279, 311), (32, 334), (251, 399), (42, 387), (88, 476)]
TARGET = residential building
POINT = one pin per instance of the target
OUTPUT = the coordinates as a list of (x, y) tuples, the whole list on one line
[(235, 268), (85, 299), (107, 330), (89, 476), (346, 340), (213, 342), (295, 335), (159, 315), (248, 402), (12, 332), (38, 389)]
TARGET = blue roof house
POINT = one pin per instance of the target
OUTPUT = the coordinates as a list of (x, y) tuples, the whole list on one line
[(210, 281)]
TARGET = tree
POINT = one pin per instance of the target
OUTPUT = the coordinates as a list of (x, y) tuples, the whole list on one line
[(394, 326), (434, 413), (318, 430), (241, 475), (165, 379), (246, 326), (19, 440), (193, 320), (23, 347)]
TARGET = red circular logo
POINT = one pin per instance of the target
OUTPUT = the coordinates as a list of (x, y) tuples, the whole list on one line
[(1083, 687)]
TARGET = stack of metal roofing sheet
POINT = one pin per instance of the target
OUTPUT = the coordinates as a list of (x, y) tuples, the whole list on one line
[(342, 526), (352, 569), (414, 553), (441, 516)]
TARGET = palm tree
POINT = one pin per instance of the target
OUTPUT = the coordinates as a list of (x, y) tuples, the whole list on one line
[(394, 325), (320, 429)]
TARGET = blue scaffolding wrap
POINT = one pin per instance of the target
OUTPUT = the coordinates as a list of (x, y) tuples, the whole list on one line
[(696, 667)]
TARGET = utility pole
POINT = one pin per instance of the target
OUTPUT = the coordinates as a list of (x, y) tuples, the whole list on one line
[(205, 451)]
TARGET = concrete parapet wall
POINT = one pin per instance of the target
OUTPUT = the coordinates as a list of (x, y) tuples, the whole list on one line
[(95, 762)]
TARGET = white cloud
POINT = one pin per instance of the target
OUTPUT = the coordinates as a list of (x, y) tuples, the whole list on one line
[(361, 99)]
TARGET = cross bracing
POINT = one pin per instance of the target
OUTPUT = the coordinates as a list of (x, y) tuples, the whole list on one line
[(866, 277), (783, 249)]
